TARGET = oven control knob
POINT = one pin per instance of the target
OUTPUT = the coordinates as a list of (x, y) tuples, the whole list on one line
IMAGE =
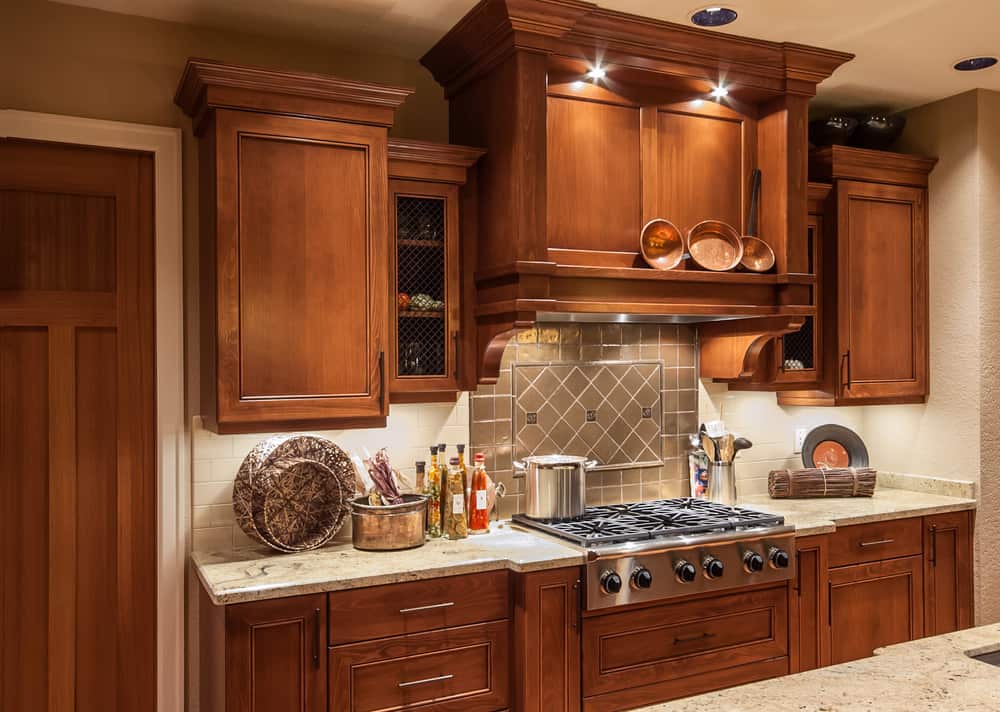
[(642, 578), (685, 571), (714, 568), (779, 558), (611, 582), (753, 562)]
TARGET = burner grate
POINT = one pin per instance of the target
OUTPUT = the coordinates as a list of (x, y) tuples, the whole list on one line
[(639, 521)]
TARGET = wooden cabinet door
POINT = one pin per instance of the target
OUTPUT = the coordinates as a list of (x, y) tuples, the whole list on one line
[(948, 595), (276, 655), (424, 357), (547, 641), (300, 268), (882, 292), (874, 605), (809, 606)]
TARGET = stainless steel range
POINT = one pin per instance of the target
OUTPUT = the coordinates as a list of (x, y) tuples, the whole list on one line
[(649, 551)]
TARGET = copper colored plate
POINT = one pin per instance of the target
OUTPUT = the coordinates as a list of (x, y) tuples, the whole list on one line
[(715, 245), (662, 244), (757, 254), (830, 453)]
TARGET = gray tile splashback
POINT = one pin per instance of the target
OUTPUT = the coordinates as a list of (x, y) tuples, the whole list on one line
[(608, 411)]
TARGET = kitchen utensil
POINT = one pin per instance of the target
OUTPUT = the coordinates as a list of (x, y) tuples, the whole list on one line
[(388, 527), (722, 483), (255, 481), (708, 445), (741, 444), (821, 482), (833, 130), (878, 130), (555, 486), (757, 254), (834, 446), (661, 244), (727, 449), (715, 245)]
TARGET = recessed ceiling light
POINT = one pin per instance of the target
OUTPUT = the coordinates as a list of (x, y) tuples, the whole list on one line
[(597, 73), (714, 16), (973, 64), (719, 92)]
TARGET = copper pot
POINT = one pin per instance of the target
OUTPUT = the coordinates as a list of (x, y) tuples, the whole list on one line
[(715, 245), (389, 527), (662, 244), (757, 254)]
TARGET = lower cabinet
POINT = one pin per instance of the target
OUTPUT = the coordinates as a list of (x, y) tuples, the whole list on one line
[(808, 606), (452, 670), (948, 593)]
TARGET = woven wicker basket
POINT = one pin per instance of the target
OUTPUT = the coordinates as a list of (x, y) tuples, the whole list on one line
[(293, 493)]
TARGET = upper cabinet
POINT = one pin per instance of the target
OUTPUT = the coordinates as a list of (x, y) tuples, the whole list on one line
[(294, 246), (596, 122), (430, 358)]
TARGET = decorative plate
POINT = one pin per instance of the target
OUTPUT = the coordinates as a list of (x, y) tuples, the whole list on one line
[(834, 446), (293, 492)]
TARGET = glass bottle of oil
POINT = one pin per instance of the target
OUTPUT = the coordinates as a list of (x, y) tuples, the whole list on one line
[(444, 481), (465, 478), (479, 516), (432, 488), (456, 526)]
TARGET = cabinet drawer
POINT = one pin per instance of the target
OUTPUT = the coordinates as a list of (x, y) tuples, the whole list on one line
[(656, 645), (861, 543), (462, 669), (395, 609)]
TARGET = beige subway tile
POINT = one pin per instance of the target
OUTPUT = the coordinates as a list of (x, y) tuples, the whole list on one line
[(215, 515), (214, 539), (206, 445), (205, 493)]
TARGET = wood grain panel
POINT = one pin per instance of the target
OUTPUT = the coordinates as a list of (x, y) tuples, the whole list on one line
[(810, 644), (24, 574), (416, 606), (57, 241), (875, 541), (593, 183), (874, 605), (451, 670), (701, 169), (303, 267), (948, 582)]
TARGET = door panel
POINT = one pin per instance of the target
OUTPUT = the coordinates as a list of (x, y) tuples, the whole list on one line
[(948, 572), (77, 486)]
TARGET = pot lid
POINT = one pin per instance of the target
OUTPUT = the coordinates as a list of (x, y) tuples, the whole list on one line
[(555, 460)]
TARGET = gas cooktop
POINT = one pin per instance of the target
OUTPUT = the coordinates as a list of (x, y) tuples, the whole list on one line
[(646, 521)]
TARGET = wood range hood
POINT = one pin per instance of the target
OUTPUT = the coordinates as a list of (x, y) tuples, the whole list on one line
[(575, 166)]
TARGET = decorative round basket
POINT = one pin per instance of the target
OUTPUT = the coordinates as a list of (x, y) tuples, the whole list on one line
[(293, 492)]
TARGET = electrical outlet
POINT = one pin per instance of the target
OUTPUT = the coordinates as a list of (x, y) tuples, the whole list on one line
[(800, 438)]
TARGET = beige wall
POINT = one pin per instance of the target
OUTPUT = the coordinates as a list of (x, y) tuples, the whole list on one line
[(64, 59)]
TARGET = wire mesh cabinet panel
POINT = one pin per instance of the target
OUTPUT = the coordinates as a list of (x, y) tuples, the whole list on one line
[(427, 310), (799, 353)]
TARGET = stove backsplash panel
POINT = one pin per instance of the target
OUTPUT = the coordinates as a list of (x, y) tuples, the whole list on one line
[(608, 411), (548, 355)]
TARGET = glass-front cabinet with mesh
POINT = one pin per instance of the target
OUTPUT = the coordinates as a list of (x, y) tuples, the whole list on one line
[(425, 186)]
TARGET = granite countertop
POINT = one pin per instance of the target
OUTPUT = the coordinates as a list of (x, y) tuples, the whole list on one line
[(928, 674), (255, 574), (822, 516)]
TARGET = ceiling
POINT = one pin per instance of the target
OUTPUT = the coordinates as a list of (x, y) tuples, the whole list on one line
[(905, 48)]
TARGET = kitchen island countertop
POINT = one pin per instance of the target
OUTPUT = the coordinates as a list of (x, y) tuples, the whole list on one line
[(927, 674)]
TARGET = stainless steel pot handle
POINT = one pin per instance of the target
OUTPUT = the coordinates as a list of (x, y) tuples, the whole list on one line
[(591, 464), (519, 468)]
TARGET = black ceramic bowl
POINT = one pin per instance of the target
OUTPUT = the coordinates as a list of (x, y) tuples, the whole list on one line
[(878, 130), (833, 130)]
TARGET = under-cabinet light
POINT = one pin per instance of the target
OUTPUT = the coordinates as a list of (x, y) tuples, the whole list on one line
[(719, 92), (597, 73)]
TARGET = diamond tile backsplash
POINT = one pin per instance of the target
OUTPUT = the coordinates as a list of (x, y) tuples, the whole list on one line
[(555, 365), (608, 411)]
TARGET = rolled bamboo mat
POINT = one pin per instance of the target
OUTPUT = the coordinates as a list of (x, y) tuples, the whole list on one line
[(815, 482)]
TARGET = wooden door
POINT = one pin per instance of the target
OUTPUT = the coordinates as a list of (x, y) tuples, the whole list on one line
[(424, 356), (77, 437), (299, 271), (948, 556), (882, 292), (276, 655), (874, 605), (547, 641), (810, 630)]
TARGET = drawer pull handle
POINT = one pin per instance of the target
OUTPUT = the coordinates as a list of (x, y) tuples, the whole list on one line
[(404, 611), (880, 542), (692, 638), (426, 681)]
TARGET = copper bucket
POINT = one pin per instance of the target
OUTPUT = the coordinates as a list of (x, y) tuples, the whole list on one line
[(715, 245)]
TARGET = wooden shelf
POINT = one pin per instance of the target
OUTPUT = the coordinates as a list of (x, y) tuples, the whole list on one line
[(420, 243), (409, 314)]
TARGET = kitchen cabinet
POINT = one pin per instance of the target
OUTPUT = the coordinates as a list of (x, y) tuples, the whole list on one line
[(547, 641), (873, 605), (948, 582), (294, 246), (429, 359), (266, 656), (808, 605)]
